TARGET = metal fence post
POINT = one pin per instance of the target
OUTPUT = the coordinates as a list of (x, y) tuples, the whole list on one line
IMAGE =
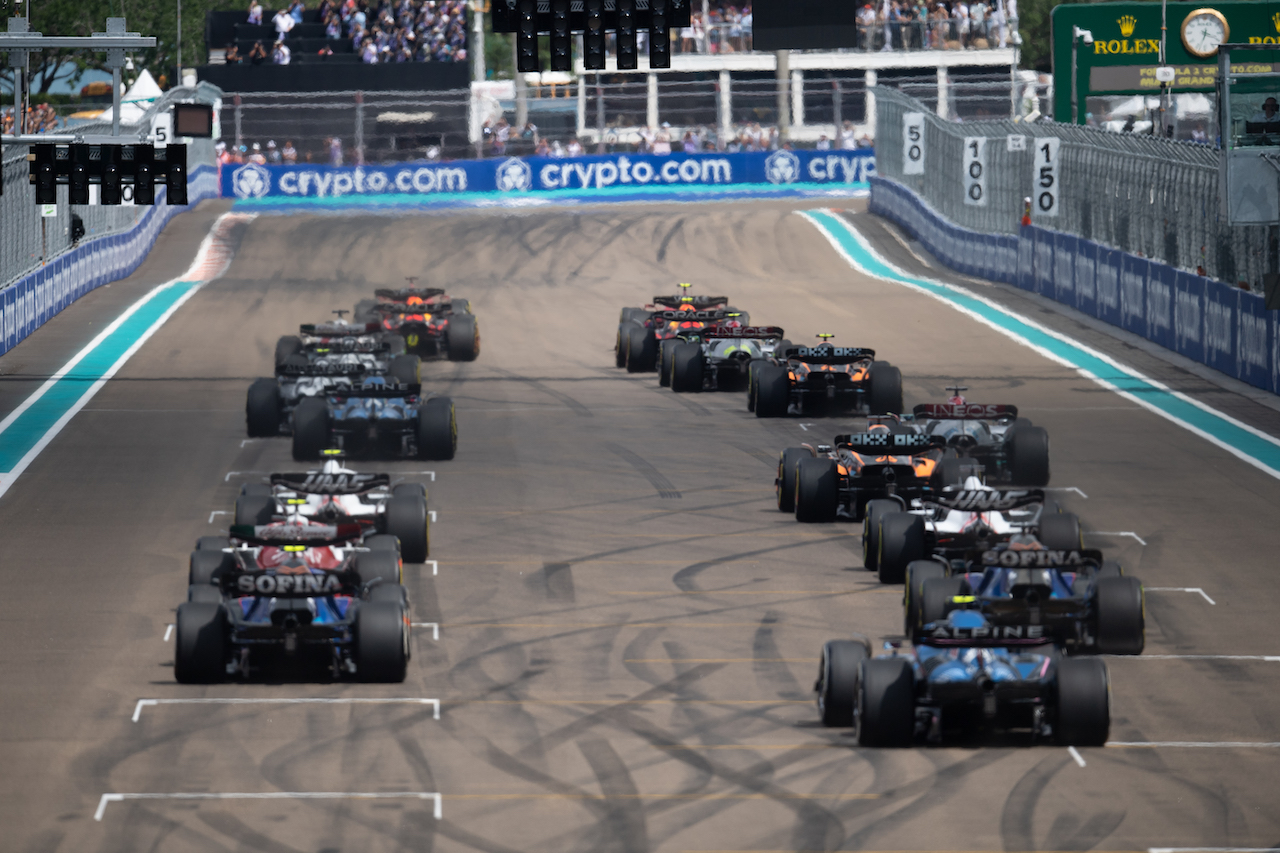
[(869, 114), (239, 112), (599, 115), (726, 108), (651, 101), (359, 128)]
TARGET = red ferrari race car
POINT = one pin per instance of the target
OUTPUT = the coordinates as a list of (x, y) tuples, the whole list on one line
[(433, 324)]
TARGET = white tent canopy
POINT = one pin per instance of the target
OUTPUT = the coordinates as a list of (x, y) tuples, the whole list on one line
[(136, 101)]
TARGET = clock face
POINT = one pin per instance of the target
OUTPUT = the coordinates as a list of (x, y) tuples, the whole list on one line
[(1203, 31)]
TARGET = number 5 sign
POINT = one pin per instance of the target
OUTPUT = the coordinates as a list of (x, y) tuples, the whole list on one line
[(975, 170), (913, 143), (1045, 183)]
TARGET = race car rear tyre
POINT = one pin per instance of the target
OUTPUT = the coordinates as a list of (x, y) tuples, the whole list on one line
[(773, 391), (632, 316), (201, 647), (204, 567), (392, 592), (1110, 569), (255, 509), (901, 543), (381, 566), (785, 485), (406, 369), (406, 519), (935, 599), (414, 489), (620, 346), (1120, 626), (382, 642), (884, 394), (437, 429), (287, 345), (918, 573), (753, 378), (1060, 532), (463, 337), (364, 312), (382, 542), (1029, 456), (212, 543), (665, 349), (205, 593), (686, 368), (837, 686), (642, 350), (1084, 702), (262, 409), (458, 305), (256, 489), (886, 713), (817, 490), (874, 512), (310, 429)]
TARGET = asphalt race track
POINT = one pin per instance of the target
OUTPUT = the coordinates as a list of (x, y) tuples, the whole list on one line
[(628, 630)]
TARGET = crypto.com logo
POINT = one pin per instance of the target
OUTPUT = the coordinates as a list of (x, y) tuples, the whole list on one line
[(514, 176), (782, 167), (251, 181)]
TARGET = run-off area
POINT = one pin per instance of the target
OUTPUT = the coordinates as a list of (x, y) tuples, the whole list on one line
[(616, 667)]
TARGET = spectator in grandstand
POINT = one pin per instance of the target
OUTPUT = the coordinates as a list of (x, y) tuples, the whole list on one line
[(333, 26), (289, 154), (283, 22), (574, 148), (273, 153), (257, 157), (255, 13), (232, 55), (865, 141), (824, 144), (662, 142), (325, 52), (281, 55), (335, 151), (501, 134), (866, 20), (542, 149), (847, 141), (368, 52), (258, 54), (1268, 112), (295, 11)]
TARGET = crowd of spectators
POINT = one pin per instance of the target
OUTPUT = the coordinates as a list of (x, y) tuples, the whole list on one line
[(41, 118), (255, 153)]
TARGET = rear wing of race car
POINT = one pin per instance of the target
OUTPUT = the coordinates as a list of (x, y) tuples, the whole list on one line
[(691, 316), (887, 443), (320, 483), (343, 330), (303, 535), (964, 412), (1070, 561), (236, 584), (413, 389), (313, 369), (695, 301), (756, 332), (987, 500), (408, 292), (827, 354)]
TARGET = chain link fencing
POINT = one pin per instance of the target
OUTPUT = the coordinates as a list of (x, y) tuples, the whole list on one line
[(27, 240), (1148, 196)]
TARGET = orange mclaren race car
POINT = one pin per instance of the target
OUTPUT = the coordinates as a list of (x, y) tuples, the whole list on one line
[(432, 323), (822, 380)]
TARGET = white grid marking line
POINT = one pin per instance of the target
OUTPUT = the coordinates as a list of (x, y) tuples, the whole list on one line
[(1128, 533), (435, 566), (218, 512), (230, 474), (1079, 492), (142, 703), (1213, 850), (1194, 589), (277, 795), (435, 629), (1191, 744), (1071, 750), (432, 513)]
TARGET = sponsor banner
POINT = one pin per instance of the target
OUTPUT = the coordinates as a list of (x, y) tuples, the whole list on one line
[(516, 175), (1224, 327)]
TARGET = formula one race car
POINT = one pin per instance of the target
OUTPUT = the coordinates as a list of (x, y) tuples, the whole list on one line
[(335, 494), (641, 331), (1009, 448), (716, 358), (1071, 596), (377, 416), (972, 677), (824, 379), (289, 589), (323, 358), (432, 323)]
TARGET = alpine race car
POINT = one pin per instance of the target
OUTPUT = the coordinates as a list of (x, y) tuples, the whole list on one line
[(323, 358), (289, 590), (1072, 596), (376, 417), (969, 677), (1010, 449), (432, 323), (716, 358), (334, 494), (825, 379)]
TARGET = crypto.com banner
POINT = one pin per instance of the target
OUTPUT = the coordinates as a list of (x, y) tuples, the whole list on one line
[(516, 175)]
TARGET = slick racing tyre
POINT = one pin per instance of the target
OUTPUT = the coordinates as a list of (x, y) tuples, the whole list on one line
[(1060, 531), (458, 305), (406, 519), (686, 368), (383, 542), (884, 394), (205, 567), (620, 346), (382, 642), (463, 337), (392, 592), (287, 345), (817, 490), (665, 350), (212, 543), (1120, 628), (1029, 456), (310, 429), (262, 408), (837, 685), (204, 593), (785, 485), (753, 377), (901, 543), (642, 350), (383, 566), (406, 369), (409, 489), (201, 649), (437, 429), (255, 509), (1084, 702), (364, 312), (886, 708), (773, 391), (872, 515), (918, 573), (935, 599)]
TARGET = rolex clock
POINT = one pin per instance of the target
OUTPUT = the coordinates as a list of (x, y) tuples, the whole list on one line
[(1203, 31)]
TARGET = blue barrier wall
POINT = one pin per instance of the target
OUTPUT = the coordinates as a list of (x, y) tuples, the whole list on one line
[(32, 300), (1205, 320), (534, 175)]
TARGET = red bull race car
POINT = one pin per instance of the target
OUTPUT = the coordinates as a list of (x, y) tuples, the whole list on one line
[(432, 323)]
